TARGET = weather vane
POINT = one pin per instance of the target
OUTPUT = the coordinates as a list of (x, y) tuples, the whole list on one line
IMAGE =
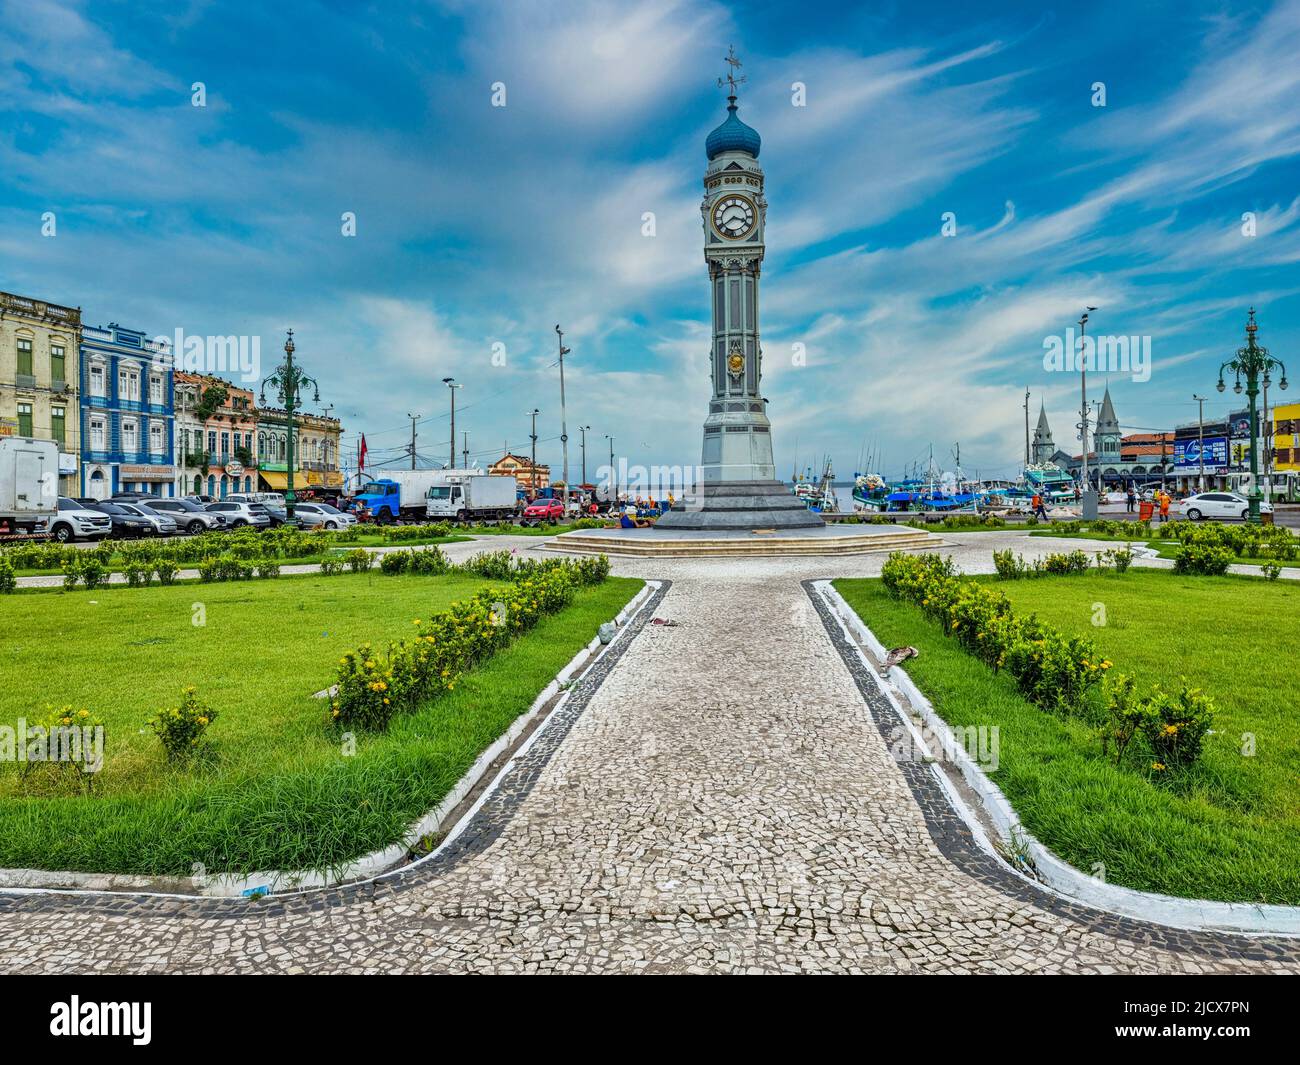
[(731, 79)]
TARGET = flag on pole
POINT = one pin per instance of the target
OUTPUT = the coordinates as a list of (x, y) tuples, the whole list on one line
[(361, 455)]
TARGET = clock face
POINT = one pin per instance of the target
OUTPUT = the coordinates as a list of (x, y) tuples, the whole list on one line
[(733, 217)]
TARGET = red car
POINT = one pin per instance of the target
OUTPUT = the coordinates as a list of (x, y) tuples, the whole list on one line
[(544, 510)]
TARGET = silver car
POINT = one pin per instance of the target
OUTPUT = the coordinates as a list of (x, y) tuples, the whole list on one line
[(240, 515), (163, 524), (322, 516), (188, 515)]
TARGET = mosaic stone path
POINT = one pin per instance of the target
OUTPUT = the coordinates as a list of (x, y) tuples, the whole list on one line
[(718, 796)]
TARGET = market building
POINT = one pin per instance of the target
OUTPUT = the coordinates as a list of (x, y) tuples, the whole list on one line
[(40, 358), (1118, 460)]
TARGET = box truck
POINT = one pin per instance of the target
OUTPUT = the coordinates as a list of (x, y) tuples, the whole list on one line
[(29, 483), (464, 495)]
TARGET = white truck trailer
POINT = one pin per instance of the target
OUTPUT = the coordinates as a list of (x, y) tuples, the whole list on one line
[(29, 482), (462, 495)]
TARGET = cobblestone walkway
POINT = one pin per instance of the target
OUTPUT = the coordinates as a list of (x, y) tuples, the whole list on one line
[(719, 798)]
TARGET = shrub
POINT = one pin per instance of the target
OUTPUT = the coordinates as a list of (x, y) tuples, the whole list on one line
[(1120, 559), (93, 572), (1271, 573), (495, 565), (399, 533), (8, 580), (330, 566), (359, 560), (394, 562), (268, 568), (71, 572), (138, 574), (210, 570), (1127, 717), (68, 761), (1202, 559), (167, 571), (1177, 726), (1010, 567), (181, 728)]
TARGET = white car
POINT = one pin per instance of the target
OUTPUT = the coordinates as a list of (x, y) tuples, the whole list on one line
[(241, 515), (322, 515), (75, 522), (1216, 505)]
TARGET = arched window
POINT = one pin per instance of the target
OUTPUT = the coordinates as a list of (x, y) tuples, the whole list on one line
[(198, 484), (248, 484), (225, 485), (212, 484)]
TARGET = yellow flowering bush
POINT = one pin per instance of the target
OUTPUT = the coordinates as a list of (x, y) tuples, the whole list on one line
[(181, 728)]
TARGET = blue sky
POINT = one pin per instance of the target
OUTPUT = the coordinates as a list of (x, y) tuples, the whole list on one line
[(480, 226)]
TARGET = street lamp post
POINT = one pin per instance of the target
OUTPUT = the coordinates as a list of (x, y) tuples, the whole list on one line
[(1256, 363), (1200, 439), (533, 436), (289, 379), (584, 430), (450, 382), (564, 427), (1088, 502), (613, 481)]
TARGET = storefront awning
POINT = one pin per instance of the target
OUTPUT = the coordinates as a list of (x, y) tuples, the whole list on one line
[(275, 482)]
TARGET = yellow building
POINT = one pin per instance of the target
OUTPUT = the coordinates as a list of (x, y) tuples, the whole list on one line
[(1286, 436), (40, 371), (521, 469)]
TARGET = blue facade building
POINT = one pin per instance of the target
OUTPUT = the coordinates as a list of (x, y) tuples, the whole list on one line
[(127, 414)]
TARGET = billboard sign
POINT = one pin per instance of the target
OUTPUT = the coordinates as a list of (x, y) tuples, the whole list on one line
[(1187, 454)]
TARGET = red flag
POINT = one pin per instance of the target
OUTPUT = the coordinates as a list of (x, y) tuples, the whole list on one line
[(361, 455)]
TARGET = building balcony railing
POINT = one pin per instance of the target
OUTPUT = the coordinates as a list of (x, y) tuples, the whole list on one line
[(39, 309)]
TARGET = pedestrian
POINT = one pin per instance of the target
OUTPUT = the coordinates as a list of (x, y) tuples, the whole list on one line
[(1164, 505), (1130, 497)]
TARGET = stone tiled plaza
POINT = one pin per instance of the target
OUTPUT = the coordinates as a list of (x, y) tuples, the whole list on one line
[(715, 796)]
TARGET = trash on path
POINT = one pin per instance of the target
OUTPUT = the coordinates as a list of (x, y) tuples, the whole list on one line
[(666, 622)]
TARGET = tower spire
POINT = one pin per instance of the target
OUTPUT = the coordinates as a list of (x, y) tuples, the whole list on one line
[(733, 76)]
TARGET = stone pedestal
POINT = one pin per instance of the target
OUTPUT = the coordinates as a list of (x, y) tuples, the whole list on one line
[(742, 506)]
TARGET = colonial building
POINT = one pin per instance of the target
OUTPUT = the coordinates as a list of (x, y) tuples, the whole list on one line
[(40, 346), (1286, 436), (521, 469), (315, 452), (126, 414), (215, 436)]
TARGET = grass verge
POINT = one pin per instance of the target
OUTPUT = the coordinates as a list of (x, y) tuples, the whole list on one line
[(1228, 828), (277, 791)]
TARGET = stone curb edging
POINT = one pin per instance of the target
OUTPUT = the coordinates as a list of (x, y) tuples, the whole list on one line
[(376, 863), (1052, 873)]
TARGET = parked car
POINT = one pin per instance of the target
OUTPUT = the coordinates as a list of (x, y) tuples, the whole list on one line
[(125, 522), (75, 521), (189, 516), (1215, 505), (241, 515), (164, 524), (541, 510), (274, 499), (322, 515), (278, 515)]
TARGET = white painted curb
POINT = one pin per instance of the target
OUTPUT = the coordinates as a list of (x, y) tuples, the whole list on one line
[(1053, 873), (367, 867)]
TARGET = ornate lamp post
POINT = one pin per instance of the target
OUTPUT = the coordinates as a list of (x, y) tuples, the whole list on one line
[(289, 380), (1256, 363)]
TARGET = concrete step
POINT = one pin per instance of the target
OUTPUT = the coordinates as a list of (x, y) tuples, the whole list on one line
[(755, 546)]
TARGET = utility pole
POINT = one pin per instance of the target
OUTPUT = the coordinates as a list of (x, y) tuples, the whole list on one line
[(465, 451), (414, 418), (1026, 427), (1200, 440), (564, 427), (289, 380), (584, 430), (534, 413), (450, 382)]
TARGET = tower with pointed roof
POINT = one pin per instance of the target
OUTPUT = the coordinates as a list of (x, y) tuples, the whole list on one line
[(1043, 448), (739, 489), (1107, 435)]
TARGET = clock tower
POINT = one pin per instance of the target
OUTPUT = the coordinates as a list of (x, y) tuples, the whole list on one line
[(740, 489)]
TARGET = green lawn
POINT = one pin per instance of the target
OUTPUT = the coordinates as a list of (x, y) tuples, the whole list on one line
[(277, 792), (1229, 827)]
